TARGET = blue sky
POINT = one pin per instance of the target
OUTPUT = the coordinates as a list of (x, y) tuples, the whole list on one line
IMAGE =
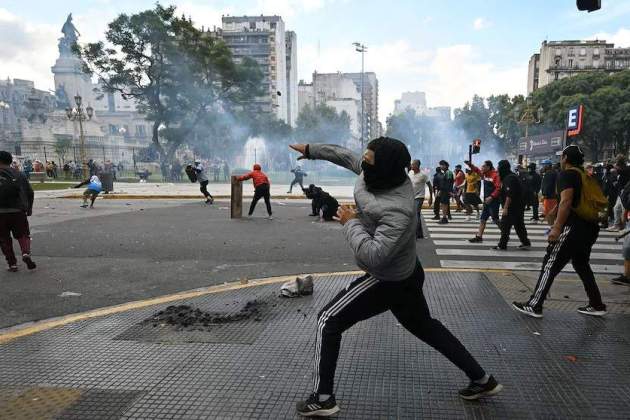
[(450, 49)]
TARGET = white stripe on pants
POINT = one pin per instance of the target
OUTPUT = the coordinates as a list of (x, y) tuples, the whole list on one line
[(332, 311), (547, 267)]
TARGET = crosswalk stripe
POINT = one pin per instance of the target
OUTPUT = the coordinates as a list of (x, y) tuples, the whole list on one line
[(486, 236), (454, 250), (519, 253), (472, 229), (515, 241), (524, 266)]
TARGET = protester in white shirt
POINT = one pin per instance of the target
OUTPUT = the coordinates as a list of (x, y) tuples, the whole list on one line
[(419, 181)]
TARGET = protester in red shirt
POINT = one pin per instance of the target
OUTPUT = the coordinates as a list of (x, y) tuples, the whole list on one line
[(491, 184), (261, 188)]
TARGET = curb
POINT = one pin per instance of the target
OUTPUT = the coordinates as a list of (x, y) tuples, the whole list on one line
[(179, 197), (30, 328)]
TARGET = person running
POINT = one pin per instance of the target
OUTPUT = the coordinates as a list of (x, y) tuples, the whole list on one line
[(446, 192), (94, 188), (571, 237), (202, 177), (419, 182), (16, 205), (261, 189), (491, 185), (299, 175), (471, 196), (381, 234), (458, 187), (513, 207), (534, 182)]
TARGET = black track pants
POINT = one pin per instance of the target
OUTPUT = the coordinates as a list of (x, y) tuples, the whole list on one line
[(366, 297), (261, 191)]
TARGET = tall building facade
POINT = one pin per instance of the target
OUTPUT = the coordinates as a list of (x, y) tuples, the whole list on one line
[(263, 38), (560, 59), (372, 128), (292, 78), (416, 101)]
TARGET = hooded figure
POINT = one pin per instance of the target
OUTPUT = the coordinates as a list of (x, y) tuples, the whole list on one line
[(261, 189), (513, 198), (381, 232), (391, 164)]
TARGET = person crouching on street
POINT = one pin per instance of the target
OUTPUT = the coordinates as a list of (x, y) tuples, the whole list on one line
[(94, 188), (261, 189), (16, 204), (381, 232)]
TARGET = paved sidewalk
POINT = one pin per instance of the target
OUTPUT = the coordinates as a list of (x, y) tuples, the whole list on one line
[(259, 364), (190, 190)]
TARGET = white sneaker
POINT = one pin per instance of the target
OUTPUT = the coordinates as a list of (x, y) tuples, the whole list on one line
[(270, 217)]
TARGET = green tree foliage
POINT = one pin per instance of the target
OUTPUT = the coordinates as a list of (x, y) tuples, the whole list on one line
[(606, 100), (415, 130), (179, 76), (62, 147), (322, 124)]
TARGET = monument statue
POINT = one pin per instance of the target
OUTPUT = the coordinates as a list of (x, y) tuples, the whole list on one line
[(61, 98), (70, 37)]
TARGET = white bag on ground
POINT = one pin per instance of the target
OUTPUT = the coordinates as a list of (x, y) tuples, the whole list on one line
[(301, 286)]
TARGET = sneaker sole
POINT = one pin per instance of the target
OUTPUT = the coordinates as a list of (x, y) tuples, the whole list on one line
[(493, 391), (598, 313), (620, 283), (320, 413), (532, 314)]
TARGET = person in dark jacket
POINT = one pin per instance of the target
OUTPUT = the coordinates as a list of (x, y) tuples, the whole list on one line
[(438, 176), (299, 175), (609, 187), (322, 202), (16, 204), (534, 181), (513, 199), (548, 189), (381, 231)]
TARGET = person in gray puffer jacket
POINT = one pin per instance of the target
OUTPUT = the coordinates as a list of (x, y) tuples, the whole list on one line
[(381, 234)]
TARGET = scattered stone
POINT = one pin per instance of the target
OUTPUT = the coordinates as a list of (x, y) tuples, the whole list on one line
[(185, 317), (69, 294)]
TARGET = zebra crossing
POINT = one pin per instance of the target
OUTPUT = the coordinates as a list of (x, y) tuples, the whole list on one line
[(454, 251)]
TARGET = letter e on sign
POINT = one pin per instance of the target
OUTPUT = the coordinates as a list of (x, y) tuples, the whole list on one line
[(574, 120)]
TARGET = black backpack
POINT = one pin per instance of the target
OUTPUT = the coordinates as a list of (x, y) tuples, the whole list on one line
[(9, 189)]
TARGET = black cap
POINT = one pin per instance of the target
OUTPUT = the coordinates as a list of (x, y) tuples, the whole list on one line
[(5, 157), (574, 155)]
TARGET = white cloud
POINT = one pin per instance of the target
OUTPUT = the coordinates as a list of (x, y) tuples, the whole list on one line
[(621, 38), (27, 51), (449, 75), (289, 8), (480, 23)]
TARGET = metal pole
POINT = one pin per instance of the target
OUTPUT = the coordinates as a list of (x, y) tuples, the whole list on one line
[(45, 156), (82, 145), (470, 153), (362, 97)]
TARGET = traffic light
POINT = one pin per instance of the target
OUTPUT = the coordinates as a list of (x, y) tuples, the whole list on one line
[(589, 5), (476, 146)]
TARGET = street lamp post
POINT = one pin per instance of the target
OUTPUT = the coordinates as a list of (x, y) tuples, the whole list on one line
[(358, 47), (4, 106), (529, 115), (80, 114)]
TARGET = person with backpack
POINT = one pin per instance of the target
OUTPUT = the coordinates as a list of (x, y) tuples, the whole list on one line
[(261, 189), (94, 188), (16, 205), (572, 235), (513, 197), (202, 177)]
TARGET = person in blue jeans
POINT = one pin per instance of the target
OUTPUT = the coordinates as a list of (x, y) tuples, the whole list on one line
[(491, 189)]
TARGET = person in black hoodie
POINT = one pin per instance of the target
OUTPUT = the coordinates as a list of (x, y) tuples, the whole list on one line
[(534, 180), (513, 214), (322, 202), (16, 203)]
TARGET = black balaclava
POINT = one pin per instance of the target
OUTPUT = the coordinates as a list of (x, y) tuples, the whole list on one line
[(503, 167), (391, 160)]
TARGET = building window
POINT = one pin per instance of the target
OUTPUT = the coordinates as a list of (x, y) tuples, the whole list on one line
[(571, 52), (582, 51), (596, 51), (570, 62)]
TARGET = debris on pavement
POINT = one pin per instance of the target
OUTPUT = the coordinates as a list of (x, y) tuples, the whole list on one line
[(69, 294), (301, 286), (187, 317)]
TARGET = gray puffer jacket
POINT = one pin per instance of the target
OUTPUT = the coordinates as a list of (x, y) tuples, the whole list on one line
[(383, 236)]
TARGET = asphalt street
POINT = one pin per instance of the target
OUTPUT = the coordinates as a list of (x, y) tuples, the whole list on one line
[(129, 250)]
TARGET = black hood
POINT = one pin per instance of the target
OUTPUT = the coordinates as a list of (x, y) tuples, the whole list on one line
[(391, 161), (503, 167)]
